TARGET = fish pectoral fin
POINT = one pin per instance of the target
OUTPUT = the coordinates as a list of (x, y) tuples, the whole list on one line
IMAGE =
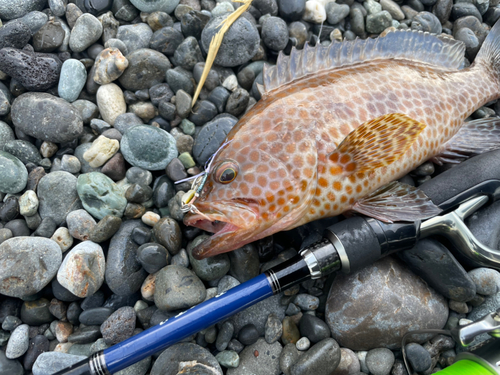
[(474, 137), (397, 202), (376, 143)]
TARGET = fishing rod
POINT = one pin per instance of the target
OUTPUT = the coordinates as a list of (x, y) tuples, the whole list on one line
[(347, 246)]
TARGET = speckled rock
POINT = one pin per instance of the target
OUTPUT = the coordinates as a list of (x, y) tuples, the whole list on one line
[(147, 68), (27, 264), (385, 301), (46, 117), (13, 174), (10, 9), (82, 271), (260, 358)]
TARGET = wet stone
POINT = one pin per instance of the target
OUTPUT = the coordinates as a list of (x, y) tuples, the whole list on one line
[(430, 256), (95, 316), (119, 326), (379, 361), (266, 362), (38, 345), (188, 54), (80, 224), (124, 274), (153, 257), (248, 334), (100, 195), (87, 30), (46, 117), (211, 268), (37, 312), (148, 147), (344, 323), (13, 174), (27, 265), (419, 358), (210, 137), (169, 360), (135, 36), (147, 68), (18, 342), (240, 43), (180, 79), (313, 328), (49, 362), (171, 294), (82, 270)]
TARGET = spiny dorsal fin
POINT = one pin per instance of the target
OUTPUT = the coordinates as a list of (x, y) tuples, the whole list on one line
[(400, 44)]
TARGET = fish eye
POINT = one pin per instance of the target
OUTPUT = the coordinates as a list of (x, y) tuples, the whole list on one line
[(226, 172)]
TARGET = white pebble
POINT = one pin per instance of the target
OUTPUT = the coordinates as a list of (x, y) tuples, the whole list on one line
[(111, 102), (150, 218), (303, 344), (315, 12), (63, 238), (231, 83), (48, 149), (28, 203), (101, 151), (464, 322)]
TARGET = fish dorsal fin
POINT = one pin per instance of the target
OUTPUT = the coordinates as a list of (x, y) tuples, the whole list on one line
[(376, 143), (400, 44), (397, 202)]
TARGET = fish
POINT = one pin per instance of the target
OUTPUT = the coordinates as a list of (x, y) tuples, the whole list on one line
[(337, 126)]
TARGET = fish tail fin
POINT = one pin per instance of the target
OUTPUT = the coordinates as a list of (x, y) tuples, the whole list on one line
[(489, 54)]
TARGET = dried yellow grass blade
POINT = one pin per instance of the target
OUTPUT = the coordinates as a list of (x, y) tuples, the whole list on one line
[(216, 42)]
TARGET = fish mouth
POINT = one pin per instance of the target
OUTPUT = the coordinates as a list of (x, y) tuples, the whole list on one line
[(230, 231)]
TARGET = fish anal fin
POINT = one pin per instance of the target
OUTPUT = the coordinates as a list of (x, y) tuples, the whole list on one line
[(474, 137), (397, 202), (376, 143)]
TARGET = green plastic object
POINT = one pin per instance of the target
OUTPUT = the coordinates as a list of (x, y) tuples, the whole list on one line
[(466, 367)]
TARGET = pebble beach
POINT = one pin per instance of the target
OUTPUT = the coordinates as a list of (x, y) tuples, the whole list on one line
[(96, 126)]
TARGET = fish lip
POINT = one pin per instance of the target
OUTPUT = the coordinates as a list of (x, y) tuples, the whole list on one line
[(220, 241)]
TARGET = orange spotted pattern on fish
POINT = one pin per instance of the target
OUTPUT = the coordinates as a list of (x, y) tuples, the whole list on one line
[(336, 125)]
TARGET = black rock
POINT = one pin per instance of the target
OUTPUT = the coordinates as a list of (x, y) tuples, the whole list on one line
[(237, 102), (95, 316), (188, 54), (10, 209), (167, 110), (85, 335), (291, 10), (419, 358), (202, 112), (313, 328), (166, 40), (442, 10), (248, 334), (94, 7), (146, 68), (163, 191), (244, 263), (35, 71), (18, 228), (115, 301), (460, 10), (10, 366), (11, 322), (10, 306), (180, 79), (73, 313), (438, 267), (61, 293), (492, 15), (14, 34), (49, 37), (193, 23), (160, 92), (124, 10), (138, 193), (38, 345), (119, 326), (141, 235), (36, 312), (46, 228), (93, 301), (144, 316), (210, 137), (219, 97), (153, 257)]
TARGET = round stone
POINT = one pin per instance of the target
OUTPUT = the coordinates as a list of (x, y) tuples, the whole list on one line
[(147, 68), (111, 102), (240, 43), (57, 196), (27, 264), (210, 137), (109, 65), (100, 195), (18, 342), (166, 40), (228, 358), (153, 257), (248, 334), (169, 360), (426, 21), (211, 268), (148, 147), (135, 36), (178, 288), (402, 301), (46, 117), (87, 30), (119, 326), (379, 361), (150, 6), (72, 80), (487, 280), (82, 271), (49, 37), (13, 174), (419, 358), (275, 33)]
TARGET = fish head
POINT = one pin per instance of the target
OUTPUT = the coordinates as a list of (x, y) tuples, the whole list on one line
[(249, 193)]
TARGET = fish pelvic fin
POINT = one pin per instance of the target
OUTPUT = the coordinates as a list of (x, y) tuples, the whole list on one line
[(376, 143), (474, 137), (397, 202), (489, 54)]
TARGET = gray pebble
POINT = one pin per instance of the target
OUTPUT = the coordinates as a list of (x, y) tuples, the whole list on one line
[(265, 363), (487, 280), (48, 362), (319, 359), (119, 326), (379, 361), (87, 31), (18, 343), (146, 68), (419, 358), (275, 33), (13, 174)]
